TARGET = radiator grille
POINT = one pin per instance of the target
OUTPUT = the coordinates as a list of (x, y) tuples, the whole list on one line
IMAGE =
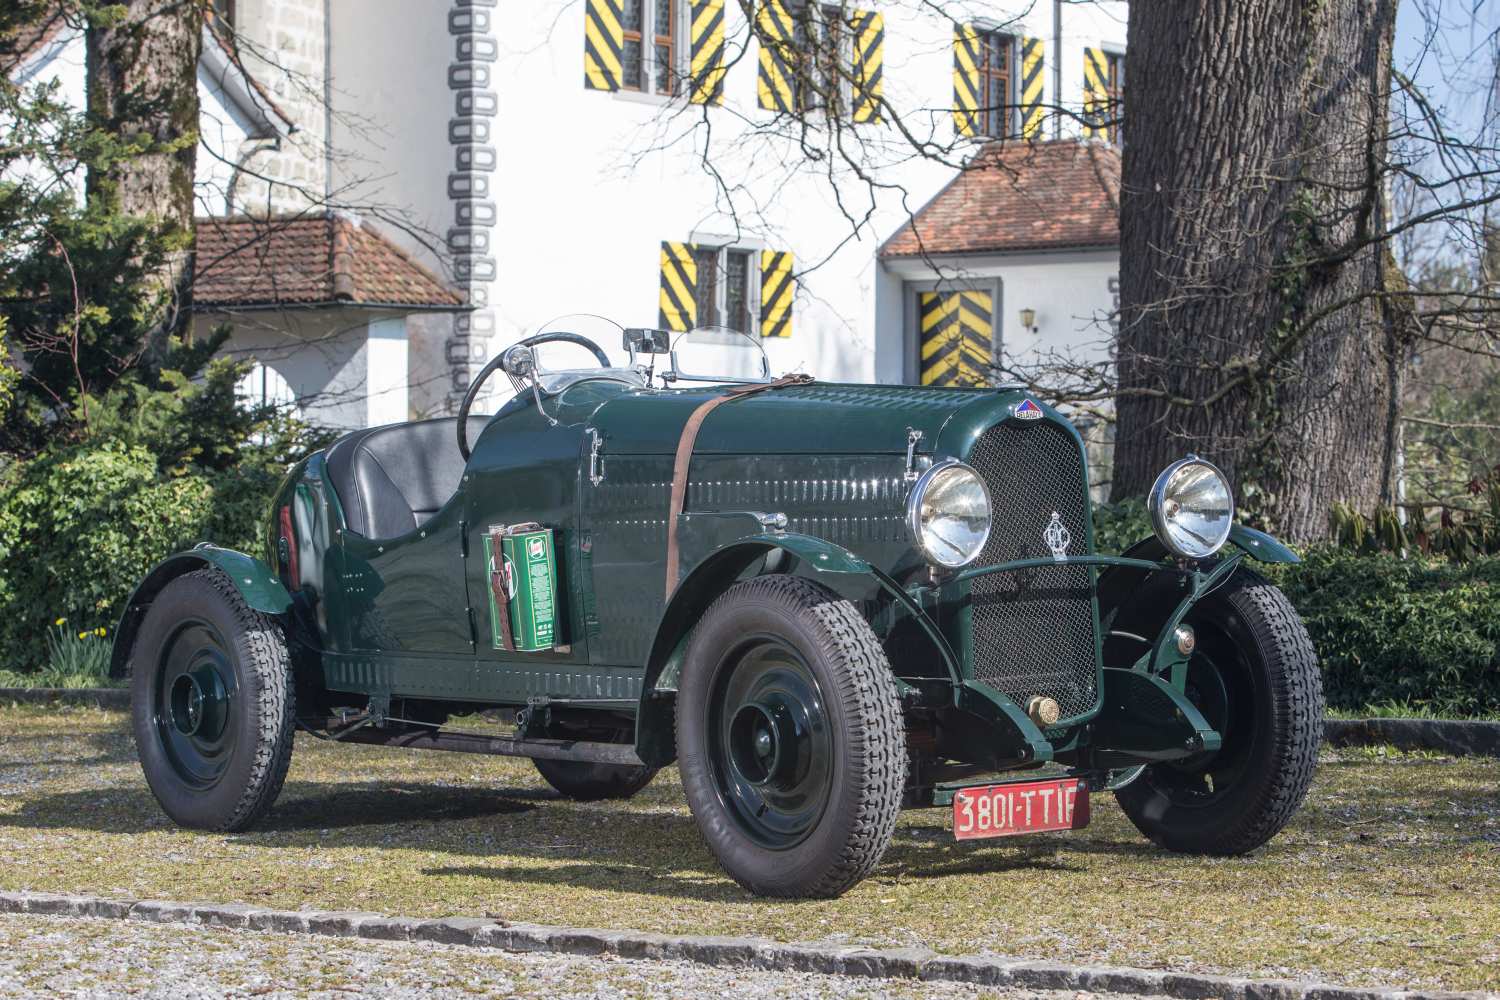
[(1034, 629)]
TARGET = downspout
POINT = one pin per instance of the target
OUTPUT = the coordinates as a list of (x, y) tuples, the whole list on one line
[(1057, 53), (327, 103)]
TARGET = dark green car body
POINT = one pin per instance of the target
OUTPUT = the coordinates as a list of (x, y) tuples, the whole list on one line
[(811, 480)]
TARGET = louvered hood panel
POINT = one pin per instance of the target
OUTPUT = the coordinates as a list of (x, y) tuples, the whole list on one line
[(812, 419)]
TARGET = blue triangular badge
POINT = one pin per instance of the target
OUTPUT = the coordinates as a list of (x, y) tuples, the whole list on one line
[(1026, 410)]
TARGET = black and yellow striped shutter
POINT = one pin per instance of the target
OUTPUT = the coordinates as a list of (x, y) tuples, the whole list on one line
[(869, 64), (603, 43), (707, 52), (966, 79), (773, 25), (679, 287), (1031, 88), (1095, 94), (956, 338), (776, 293)]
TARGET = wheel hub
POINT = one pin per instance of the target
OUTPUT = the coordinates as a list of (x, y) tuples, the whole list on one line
[(773, 749), (195, 696), (763, 743), (199, 703)]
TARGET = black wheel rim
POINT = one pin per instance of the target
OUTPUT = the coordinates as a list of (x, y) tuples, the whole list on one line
[(194, 698), (1222, 685), (770, 742)]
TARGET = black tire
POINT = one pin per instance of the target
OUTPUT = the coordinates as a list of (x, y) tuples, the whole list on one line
[(790, 738), (218, 766), (589, 782), (1255, 677)]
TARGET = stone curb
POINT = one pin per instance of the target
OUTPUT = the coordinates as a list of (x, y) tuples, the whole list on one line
[(756, 953), (113, 698), (1477, 739), (1444, 736)]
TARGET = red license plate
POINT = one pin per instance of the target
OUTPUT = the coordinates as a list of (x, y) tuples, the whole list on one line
[(1029, 807)]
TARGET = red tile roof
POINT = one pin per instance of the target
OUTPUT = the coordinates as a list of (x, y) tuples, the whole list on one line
[(308, 260), (1021, 196)]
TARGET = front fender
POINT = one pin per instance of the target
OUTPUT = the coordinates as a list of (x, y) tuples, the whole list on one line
[(1135, 605), (846, 572), (256, 582)]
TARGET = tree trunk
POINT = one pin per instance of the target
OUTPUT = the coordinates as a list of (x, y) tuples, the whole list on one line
[(1251, 214), (143, 89)]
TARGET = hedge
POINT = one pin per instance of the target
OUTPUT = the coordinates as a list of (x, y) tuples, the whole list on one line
[(1422, 632), (80, 528)]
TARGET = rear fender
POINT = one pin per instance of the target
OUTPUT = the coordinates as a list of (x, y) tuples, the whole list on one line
[(256, 582), (837, 567)]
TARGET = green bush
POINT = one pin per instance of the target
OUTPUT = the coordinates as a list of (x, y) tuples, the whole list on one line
[(79, 528), (1419, 632), (1118, 526)]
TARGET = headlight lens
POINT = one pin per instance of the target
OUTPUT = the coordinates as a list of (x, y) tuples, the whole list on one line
[(949, 514), (1192, 508)]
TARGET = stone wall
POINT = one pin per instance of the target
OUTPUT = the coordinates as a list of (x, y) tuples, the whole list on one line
[(283, 45)]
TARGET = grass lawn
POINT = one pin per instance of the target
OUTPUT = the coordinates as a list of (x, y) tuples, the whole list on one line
[(1389, 876)]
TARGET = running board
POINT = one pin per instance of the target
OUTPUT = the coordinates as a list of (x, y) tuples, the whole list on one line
[(622, 754)]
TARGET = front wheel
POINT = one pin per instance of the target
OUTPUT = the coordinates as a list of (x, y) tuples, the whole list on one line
[(1254, 676), (790, 739), (211, 704)]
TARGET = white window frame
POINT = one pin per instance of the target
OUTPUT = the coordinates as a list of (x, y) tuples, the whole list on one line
[(722, 249), (821, 10), (682, 56)]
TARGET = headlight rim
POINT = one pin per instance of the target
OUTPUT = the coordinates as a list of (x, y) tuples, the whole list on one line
[(1155, 501), (914, 511)]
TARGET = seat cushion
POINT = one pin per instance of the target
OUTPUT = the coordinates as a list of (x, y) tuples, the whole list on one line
[(391, 479)]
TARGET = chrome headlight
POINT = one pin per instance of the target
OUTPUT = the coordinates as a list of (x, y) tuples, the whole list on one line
[(948, 513), (1191, 508)]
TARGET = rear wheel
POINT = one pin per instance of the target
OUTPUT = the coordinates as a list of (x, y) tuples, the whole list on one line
[(790, 738), (211, 704), (1255, 678)]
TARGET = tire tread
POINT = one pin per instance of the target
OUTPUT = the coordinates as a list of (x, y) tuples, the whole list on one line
[(867, 693)]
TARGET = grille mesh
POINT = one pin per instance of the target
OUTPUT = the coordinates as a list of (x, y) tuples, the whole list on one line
[(1034, 628)]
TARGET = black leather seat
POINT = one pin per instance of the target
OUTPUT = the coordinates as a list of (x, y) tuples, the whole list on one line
[(391, 479)]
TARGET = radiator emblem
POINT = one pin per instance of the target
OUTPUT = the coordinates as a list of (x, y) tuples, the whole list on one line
[(1057, 537), (1026, 410)]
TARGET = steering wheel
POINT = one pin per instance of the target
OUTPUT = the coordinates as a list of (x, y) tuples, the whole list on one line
[(495, 362)]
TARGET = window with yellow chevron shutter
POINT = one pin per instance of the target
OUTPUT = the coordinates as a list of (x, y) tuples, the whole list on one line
[(868, 32), (678, 297), (643, 46), (603, 44), (706, 37), (820, 58), (1103, 93), (707, 285)]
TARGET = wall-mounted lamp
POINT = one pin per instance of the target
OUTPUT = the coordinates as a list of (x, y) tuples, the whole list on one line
[(1028, 320)]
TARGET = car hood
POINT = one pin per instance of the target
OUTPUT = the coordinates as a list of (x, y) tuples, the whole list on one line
[(806, 419)]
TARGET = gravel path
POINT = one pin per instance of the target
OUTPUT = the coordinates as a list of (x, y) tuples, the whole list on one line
[(110, 958)]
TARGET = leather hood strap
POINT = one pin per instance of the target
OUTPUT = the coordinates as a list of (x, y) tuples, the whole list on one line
[(685, 458)]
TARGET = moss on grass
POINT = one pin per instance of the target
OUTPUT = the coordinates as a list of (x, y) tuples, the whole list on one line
[(1389, 875)]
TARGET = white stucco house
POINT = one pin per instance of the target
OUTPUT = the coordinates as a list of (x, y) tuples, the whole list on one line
[(549, 158)]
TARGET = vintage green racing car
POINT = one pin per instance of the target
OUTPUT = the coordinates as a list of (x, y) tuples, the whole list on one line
[(824, 602)]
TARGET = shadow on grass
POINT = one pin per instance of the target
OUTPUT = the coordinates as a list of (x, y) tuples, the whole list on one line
[(528, 836), (107, 747)]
